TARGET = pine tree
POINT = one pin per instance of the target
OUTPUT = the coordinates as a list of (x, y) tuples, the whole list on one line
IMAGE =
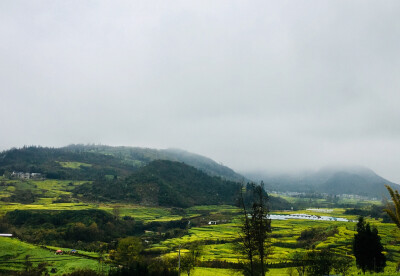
[(367, 248), (254, 229)]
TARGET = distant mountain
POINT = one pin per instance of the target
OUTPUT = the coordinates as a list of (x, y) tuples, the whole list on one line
[(137, 156), (332, 180)]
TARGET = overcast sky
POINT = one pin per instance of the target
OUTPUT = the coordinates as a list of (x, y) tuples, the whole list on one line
[(256, 85)]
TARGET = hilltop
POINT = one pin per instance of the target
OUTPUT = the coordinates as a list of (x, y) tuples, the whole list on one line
[(85, 161), (138, 157), (122, 174)]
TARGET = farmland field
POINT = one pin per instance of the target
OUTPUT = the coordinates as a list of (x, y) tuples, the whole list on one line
[(13, 254), (219, 241)]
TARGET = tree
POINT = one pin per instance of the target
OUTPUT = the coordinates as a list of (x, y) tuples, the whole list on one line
[(319, 262), (342, 264), (394, 214), (367, 248), (247, 245), (128, 251), (254, 229), (300, 260), (261, 225), (190, 259)]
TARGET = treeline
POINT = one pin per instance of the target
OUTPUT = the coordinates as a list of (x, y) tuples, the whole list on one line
[(47, 162), (82, 229), (373, 211)]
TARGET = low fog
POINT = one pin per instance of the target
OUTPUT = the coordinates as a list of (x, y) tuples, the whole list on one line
[(280, 86)]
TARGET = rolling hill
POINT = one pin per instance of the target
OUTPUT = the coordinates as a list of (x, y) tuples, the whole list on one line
[(90, 160), (137, 157), (122, 174)]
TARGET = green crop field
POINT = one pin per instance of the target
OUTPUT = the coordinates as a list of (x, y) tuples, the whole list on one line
[(74, 165), (219, 240), (13, 254)]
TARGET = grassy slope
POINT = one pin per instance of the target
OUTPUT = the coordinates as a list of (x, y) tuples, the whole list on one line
[(13, 252)]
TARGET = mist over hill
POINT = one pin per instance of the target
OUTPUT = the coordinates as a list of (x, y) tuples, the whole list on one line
[(135, 175), (140, 156), (91, 162), (356, 180)]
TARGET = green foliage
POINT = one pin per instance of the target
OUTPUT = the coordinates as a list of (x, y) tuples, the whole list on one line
[(128, 252), (301, 262), (320, 262), (83, 272), (22, 196), (374, 211), (310, 237), (394, 214), (78, 228), (190, 259), (367, 248), (342, 264)]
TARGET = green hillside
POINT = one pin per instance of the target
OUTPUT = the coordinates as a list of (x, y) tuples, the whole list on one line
[(57, 163), (81, 173), (164, 183)]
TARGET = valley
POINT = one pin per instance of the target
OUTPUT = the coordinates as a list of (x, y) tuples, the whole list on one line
[(107, 201)]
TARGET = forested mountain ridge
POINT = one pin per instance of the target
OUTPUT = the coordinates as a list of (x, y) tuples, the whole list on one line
[(56, 163), (138, 157), (114, 178), (168, 183), (164, 183), (97, 159)]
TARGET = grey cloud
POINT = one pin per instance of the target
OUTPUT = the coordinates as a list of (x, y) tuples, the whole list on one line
[(274, 85)]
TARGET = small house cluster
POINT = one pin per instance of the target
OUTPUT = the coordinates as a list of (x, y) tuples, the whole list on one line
[(26, 175)]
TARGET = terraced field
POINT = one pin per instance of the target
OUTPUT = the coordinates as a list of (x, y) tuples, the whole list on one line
[(219, 240), (13, 254)]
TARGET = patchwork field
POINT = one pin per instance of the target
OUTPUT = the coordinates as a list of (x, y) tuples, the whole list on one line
[(219, 241)]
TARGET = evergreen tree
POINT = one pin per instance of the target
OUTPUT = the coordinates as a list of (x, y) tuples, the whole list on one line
[(367, 248), (261, 225), (254, 229)]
